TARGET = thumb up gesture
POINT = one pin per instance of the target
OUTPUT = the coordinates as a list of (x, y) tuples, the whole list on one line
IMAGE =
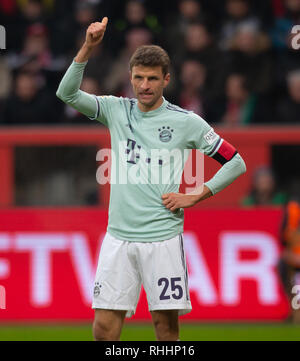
[(95, 33)]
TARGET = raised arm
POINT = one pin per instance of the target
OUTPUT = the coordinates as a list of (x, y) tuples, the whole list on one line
[(68, 90), (94, 36)]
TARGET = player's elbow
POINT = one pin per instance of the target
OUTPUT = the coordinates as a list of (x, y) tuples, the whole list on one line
[(242, 165), (63, 96), (59, 94)]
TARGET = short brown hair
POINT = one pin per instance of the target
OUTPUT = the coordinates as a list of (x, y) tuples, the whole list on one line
[(151, 55)]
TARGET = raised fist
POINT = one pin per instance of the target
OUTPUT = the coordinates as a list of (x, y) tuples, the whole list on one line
[(95, 32)]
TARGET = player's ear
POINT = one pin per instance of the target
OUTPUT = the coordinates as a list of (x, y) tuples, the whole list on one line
[(167, 79)]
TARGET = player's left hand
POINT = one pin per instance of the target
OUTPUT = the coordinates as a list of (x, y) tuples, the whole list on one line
[(174, 201)]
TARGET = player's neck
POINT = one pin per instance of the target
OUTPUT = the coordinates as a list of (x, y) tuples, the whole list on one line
[(145, 108)]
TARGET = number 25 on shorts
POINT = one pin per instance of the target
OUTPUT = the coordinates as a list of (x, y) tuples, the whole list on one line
[(175, 288)]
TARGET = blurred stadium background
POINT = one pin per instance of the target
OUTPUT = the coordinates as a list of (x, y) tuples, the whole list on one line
[(235, 63)]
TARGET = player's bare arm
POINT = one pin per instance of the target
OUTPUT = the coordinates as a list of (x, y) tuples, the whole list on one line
[(94, 35)]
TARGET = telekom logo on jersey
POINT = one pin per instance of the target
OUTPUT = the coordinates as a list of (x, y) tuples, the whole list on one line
[(41, 246)]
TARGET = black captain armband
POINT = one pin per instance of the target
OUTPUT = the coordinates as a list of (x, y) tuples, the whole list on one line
[(225, 151)]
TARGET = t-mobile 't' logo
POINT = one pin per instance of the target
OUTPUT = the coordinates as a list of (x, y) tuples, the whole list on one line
[(2, 37)]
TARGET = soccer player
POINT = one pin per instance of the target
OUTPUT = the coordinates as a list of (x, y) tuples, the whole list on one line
[(144, 242)]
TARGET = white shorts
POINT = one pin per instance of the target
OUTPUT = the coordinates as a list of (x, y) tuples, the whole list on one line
[(159, 266)]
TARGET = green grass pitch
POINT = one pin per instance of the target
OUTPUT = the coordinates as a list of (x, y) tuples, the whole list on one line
[(144, 332)]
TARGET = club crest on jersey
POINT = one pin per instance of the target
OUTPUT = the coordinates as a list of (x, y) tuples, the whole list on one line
[(165, 134), (97, 289)]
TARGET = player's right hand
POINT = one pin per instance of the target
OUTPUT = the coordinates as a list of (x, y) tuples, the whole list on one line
[(95, 32)]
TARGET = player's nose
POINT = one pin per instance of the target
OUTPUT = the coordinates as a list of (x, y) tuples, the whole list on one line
[(145, 84)]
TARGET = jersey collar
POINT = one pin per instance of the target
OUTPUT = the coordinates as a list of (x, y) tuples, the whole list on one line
[(151, 113)]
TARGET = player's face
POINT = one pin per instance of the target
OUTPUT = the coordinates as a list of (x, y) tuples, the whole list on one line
[(148, 84)]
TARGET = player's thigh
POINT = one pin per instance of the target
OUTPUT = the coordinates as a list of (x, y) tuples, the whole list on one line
[(167, 319), (108, 324), (108, 319)]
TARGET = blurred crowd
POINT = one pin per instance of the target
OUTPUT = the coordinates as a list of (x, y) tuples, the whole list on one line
[(234, 62)]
